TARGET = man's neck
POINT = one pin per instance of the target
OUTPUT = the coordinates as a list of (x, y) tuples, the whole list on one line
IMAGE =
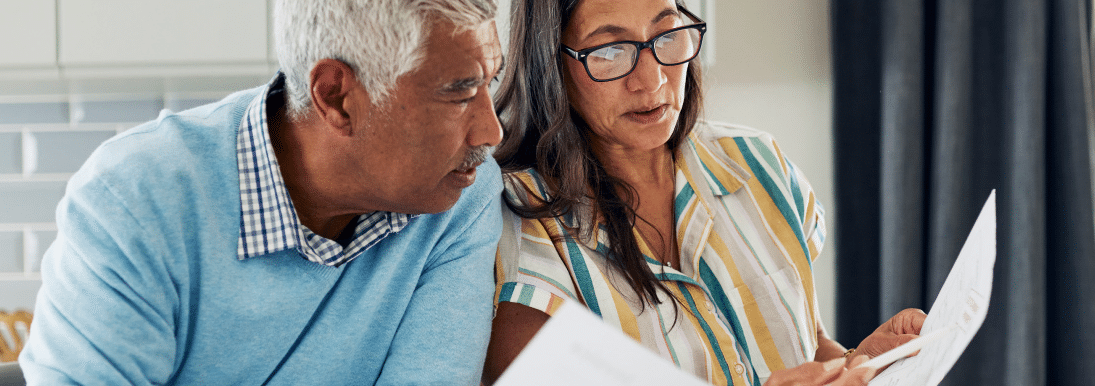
[(314, 209)]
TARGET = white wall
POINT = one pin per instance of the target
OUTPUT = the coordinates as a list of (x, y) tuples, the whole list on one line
[(772, 71)]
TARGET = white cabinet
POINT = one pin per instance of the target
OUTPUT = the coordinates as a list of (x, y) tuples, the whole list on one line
[(28, 33), (161, 32)]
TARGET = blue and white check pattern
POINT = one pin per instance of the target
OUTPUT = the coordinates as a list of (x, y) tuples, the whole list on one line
[(268, 220)]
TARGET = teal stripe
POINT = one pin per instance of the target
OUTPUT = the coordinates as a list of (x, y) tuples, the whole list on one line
[(670, 276), (722, 189), (506, 292), (682, 200), (723, 303), (526, 295), (539, 181), (549, 280), (581, 274), (718, 295), (707, 330), (766, 153), (710, 175), (774, 192), (665, 336)]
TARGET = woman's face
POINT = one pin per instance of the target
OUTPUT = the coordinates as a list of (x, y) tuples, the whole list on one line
[(640, 110)]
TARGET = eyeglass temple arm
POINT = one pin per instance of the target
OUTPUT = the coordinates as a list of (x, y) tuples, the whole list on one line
[(570, 52), (691, 15)]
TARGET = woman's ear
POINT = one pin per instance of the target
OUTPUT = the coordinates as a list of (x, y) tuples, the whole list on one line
[(333, 85)]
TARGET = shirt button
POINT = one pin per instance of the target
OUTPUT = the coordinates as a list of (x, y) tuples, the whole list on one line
[(739, 368)]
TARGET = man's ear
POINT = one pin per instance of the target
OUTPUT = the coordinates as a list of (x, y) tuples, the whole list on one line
[(333, 84)]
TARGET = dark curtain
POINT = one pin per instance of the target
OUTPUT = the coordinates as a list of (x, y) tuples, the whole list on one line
[(936, 104)]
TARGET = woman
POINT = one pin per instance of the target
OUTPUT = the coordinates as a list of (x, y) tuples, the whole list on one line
[(693, 238)]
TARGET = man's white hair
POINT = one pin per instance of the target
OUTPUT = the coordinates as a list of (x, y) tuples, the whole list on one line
[(379, 39)]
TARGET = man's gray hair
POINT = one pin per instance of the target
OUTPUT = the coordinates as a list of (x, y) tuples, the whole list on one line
[(379, 39)]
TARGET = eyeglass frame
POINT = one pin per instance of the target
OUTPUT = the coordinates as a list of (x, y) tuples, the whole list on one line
[(582, 55)]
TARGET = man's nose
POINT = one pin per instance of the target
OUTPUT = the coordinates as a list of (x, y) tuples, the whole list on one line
[(485, 130)]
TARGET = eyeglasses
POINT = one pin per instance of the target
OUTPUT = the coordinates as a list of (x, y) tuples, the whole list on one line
[(608, 62)]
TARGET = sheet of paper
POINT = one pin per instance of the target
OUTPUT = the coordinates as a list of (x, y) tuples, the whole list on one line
[(963, 302), (576, 348)]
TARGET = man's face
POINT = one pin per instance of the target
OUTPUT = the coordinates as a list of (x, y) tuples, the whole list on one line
[(419, 151)]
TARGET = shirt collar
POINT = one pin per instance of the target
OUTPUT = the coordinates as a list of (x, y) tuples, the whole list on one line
[(268, 220), (722, 174)]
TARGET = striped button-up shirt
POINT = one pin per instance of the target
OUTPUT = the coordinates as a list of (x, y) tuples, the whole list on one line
[(748, 228), (268, 220)]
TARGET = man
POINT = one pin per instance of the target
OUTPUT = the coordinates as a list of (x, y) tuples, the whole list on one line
[(335, 226)]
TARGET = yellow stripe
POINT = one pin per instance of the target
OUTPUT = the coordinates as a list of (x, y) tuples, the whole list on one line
[(628, 323), (721, 249), (757, 325), (530, 187), (725, 341), (686, 219), (535, 229), (782, 232), (554, 304), (775, 220), (727, 180), (810, 206), (499, 275), (782, 161)]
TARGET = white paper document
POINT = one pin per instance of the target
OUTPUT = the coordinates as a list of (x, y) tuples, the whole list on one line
[(576, 348), (958, 311)]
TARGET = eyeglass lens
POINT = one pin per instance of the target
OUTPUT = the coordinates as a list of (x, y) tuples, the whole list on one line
[(672, 48)]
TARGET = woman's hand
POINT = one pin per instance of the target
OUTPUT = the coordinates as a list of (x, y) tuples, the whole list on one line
[(901, 328), (831, 373)]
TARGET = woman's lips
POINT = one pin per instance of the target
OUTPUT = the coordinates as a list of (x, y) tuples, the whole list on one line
[(647, 116)]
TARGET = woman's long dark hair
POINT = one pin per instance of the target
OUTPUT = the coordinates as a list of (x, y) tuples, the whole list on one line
[(543, 132)]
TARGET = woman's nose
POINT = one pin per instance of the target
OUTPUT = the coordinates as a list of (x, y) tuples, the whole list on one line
[(648, 74)]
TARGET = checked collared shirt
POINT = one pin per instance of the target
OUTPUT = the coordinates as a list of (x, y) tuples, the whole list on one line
[(268, 220)]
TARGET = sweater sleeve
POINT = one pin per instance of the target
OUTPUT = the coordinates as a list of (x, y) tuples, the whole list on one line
[(442, 339), (105, 311)]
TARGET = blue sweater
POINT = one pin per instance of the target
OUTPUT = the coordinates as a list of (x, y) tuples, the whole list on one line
[(143, 284)]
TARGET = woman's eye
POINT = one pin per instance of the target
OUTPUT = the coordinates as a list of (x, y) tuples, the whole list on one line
[(607, 53)]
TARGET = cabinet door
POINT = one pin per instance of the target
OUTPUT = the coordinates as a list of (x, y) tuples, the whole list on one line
[(149, 32), (28, 33)]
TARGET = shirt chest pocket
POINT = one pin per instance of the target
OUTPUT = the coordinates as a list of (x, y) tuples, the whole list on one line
[(779, 319)]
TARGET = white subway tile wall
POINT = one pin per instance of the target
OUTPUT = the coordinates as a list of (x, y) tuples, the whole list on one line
[(46, 135)]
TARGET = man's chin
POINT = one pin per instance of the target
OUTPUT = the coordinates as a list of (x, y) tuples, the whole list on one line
[(431, 205)]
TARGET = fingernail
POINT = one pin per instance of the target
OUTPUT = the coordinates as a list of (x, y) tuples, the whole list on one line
[(832, 364)]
